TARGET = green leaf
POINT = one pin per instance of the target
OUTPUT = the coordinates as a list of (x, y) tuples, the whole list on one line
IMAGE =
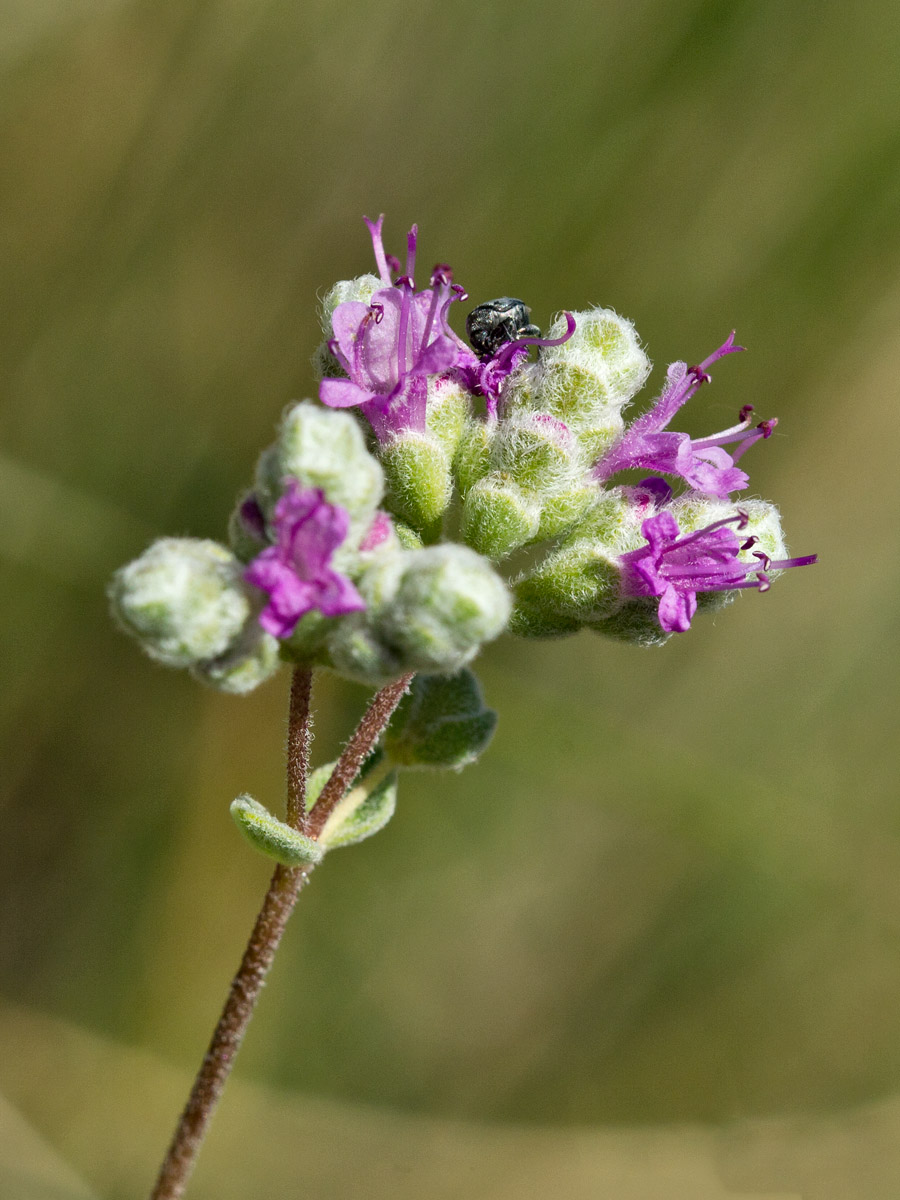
[(271, 836), (361, 814), (441, 723)]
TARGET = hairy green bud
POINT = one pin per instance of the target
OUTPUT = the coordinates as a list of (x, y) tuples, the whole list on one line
[(363, 288), (601, 366), (564, 510), (183, 599), (498, 517), (406, 537), (322, 448), (357, 650), (473, 454), (637, 621), (597, 434), (447, 603), (579, 581), (537, 451), (417, 470), (610, 519), (441, 723), (448, 406), (306, 642)]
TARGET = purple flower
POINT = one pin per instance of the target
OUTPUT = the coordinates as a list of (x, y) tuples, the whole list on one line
[(389, 346), (488, 377), (295, 571), (677, 568), (703, 463)]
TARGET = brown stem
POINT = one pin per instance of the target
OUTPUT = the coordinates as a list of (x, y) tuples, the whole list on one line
[(299, 739), (278, 904), (364, 738)]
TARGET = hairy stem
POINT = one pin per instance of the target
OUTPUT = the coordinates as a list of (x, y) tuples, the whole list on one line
[(277, 906), (364, 738)]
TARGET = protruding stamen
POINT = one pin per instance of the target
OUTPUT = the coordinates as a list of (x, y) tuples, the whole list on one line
[(727, 347), (721, 439), (381, 259), (406, 286), (782, 564), (745, 412), (739, 520), (411, 239), (442, 275), (438, 294)]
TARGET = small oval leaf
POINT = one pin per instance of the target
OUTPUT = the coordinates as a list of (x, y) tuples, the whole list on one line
[(271, 836)]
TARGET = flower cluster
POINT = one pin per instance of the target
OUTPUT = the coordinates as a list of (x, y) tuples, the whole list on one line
[(372, 537)]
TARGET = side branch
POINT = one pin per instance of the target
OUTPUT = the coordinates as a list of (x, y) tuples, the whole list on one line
[(347, 768)]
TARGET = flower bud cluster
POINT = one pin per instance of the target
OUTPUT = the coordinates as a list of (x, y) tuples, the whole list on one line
[(371, 536)]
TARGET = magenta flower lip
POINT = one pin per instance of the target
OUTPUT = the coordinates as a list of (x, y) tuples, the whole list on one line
[(675, 568), (296, 572), (703, 463)]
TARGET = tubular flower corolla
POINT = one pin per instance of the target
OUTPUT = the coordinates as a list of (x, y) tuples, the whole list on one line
[(296, 571), (389, 346), (703, 463), (676, 568)]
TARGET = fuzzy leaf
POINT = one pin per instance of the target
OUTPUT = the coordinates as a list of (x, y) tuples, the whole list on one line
[(441, 723), (271, 836)]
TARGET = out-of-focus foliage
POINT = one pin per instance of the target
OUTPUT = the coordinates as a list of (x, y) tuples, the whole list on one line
[(670, 892)]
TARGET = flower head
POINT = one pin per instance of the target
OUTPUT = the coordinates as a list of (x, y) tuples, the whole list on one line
[(389, 346), (703, 463), (676, 568), (295, 572)]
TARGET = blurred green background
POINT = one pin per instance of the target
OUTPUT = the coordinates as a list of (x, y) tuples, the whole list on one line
[(657, 929)]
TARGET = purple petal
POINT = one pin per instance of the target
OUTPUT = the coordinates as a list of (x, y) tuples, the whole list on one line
[(440, 356), (660, 530), (676, 610), (345, 322), (336, 596), (314, 539), (342, 393), (296, 573)]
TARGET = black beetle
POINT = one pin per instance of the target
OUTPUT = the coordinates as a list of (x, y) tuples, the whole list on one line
[(492, 325)]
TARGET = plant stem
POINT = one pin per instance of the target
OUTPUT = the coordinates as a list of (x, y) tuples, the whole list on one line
[(277, 906), (364, 738)]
